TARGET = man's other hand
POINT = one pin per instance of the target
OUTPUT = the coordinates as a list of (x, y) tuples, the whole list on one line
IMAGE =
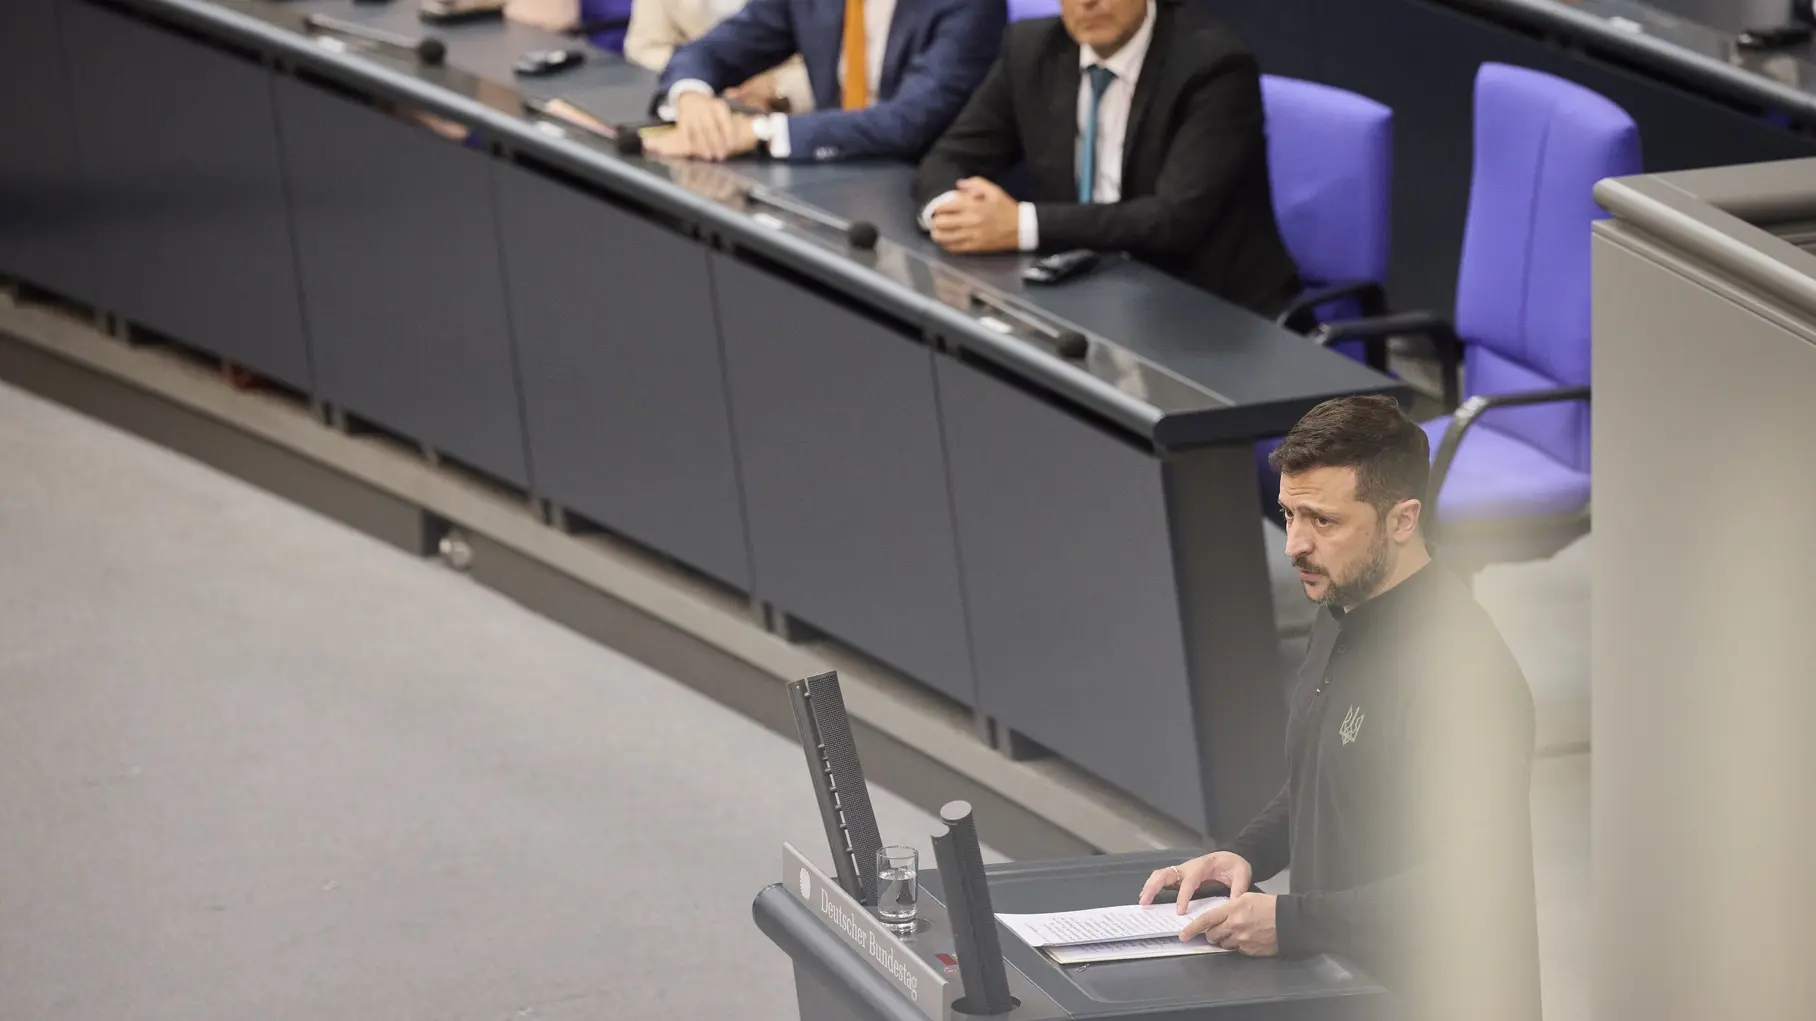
[(1226, 867), (708, 128), (980, 218), (1244, 924)]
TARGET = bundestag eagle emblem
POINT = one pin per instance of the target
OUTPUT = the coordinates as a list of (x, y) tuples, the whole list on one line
[(806, 883), (1352, 725)]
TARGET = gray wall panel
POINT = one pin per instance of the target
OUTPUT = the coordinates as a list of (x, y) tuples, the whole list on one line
[(1701, 662), (623, 387), (178, 148), (402, 283), (42, 218), (1070, 583), (844, 475)]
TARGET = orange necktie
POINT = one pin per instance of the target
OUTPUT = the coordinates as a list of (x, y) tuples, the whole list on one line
[(857, 76)]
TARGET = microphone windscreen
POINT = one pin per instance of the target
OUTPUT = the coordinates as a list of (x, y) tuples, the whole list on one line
[(1071, 344), (628, 140), (432, 51), (861, 234)]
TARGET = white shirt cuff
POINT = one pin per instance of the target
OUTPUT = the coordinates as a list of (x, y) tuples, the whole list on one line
[(667, 110), (927, 210), (1028, 227), (778, 135)]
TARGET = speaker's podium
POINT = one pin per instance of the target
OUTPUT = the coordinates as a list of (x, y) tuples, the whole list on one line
[(959, 964)]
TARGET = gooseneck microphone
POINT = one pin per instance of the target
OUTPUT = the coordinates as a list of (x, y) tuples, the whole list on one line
[(1068, 343), (428, 49), (858, 233)]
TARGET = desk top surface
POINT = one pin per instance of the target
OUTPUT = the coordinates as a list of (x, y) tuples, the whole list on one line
[(1164, 360)]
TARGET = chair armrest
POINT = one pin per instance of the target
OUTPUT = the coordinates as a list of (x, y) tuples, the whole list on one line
[(1443, 337), (1370, 299), (1472, 411), (1366, 292)]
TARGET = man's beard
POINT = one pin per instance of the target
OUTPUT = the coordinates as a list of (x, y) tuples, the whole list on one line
[(1354, 591)]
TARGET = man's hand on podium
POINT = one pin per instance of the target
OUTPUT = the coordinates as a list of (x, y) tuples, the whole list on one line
[(1225, 867), (1244, 924)]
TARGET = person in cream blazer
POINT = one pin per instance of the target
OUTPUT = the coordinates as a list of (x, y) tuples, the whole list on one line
[(659, 26)]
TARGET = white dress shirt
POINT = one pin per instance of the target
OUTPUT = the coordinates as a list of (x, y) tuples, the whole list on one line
[(877, 16), (1112, 126)]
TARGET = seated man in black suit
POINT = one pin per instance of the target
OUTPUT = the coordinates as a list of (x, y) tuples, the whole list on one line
[(1141, 125)]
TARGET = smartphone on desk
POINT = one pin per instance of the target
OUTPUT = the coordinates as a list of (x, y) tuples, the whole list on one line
[(541, 63), (1053, 269)]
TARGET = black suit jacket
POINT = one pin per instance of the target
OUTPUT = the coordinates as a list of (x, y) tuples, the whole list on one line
[(1195, 196)]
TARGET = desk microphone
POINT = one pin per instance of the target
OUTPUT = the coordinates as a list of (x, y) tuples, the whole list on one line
[(858, 233), (861, 234), (428, 49), (1071, 344)]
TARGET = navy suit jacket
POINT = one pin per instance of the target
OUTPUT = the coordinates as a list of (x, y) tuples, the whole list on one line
[(938, 51)]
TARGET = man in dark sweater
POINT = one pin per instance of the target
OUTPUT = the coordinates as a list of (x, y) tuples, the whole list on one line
[(1405, 816)]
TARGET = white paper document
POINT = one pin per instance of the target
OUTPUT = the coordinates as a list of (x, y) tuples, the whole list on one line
[(1119, 923), (1130, 950)]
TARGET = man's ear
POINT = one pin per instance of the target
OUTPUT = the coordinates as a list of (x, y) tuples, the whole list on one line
[(1403, 520)]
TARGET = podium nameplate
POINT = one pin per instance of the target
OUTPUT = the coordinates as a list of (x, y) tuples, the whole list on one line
[(919, 981)]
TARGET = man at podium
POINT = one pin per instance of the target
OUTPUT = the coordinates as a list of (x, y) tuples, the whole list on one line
[(1405, 815)]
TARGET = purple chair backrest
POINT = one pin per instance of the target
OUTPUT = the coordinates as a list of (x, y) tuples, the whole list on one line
[(1330, 163), (1021, 10), (606, 10), (1523, 285)]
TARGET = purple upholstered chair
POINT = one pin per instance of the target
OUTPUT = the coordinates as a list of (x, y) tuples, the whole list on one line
[(1330, 163), (604, 21), (1510, 473), (1022, 10), (1330, 167)]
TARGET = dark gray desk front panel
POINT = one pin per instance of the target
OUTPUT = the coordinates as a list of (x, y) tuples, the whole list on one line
[(43, 208), (1075, 617), (623, 387), (1086, 606), (179, 153), (844, 474), (398, 247)]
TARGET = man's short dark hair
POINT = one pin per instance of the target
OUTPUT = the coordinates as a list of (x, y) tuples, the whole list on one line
[(1390, 453)]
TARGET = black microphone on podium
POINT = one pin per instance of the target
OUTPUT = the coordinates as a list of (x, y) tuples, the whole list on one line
[(428, 49), (981, 971)]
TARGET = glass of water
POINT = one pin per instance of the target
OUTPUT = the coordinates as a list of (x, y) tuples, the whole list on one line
[(898, 871)]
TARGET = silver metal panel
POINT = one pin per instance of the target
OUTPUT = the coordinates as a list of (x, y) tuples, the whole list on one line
[(1703, 429)]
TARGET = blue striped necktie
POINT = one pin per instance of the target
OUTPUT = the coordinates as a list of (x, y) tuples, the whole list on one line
[(1101, 77)]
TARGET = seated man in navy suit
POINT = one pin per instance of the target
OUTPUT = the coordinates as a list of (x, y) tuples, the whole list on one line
[(888, 76)]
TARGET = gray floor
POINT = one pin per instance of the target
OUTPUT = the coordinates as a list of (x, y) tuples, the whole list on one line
[(254, 764)]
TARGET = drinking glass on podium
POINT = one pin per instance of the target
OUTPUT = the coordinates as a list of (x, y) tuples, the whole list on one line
[(898, 887)]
